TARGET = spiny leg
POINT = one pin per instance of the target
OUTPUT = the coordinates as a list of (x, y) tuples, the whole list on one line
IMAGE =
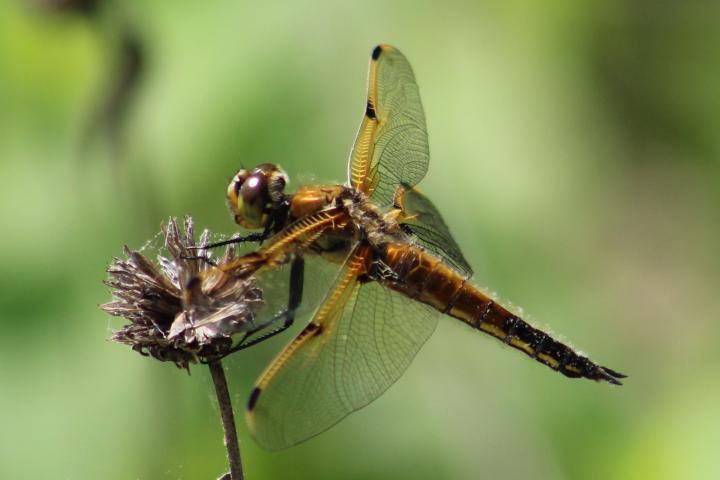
[(253, 237), (278, 218), (297, 280)]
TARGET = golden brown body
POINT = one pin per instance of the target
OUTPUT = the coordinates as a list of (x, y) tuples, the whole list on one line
[(311, 199), (399, 267), (412, 271), (426, 279)]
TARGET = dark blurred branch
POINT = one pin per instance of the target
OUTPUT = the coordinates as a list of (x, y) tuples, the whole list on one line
[(123, 78), (228, 421), (87, 7), (121, 84), (107, 120), (128, 69)]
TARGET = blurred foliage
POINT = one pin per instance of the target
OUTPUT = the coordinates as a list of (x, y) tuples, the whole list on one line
[(574, 154)]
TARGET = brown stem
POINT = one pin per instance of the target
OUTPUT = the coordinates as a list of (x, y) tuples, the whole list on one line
[(228, 420)]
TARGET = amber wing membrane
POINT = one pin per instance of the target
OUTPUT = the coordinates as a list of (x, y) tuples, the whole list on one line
[(391, 147), (425, 223), (359, 342)]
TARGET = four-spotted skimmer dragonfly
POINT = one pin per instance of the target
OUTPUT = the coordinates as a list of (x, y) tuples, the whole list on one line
[(399, 269)]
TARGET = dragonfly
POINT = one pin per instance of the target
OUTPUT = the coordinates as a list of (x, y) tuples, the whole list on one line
[(398, 269)]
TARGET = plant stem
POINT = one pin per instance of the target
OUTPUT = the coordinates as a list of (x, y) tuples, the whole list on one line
[(228, 420)]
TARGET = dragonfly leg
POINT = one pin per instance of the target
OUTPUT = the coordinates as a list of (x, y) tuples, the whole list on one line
[(287, 316), (278, 219), (253, 237)]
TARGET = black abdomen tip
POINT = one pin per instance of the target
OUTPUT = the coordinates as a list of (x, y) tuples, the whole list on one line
[(611, 376), (376, 52), (614, 373), (253, 398)]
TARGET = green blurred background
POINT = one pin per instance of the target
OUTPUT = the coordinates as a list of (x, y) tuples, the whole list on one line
[(574, 154)]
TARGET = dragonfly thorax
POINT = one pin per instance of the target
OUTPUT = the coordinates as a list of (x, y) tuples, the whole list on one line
[(377, 226)]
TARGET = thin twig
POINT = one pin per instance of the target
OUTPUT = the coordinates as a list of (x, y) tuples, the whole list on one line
[(228, 421)]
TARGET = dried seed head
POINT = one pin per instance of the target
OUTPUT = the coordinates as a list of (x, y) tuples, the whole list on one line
[(181, 309)]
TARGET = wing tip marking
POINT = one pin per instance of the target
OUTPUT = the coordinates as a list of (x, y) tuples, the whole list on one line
[(376, 52), (253, 398), (370, 110)]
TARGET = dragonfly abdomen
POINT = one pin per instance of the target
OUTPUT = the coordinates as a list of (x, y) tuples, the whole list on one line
[(427, 279)]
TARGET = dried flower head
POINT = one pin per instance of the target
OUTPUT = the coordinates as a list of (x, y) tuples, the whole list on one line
[(181, 309)]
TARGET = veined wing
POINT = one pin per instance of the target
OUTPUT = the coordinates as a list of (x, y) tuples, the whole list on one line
[(359, 342), (420, 217), (391, 147)]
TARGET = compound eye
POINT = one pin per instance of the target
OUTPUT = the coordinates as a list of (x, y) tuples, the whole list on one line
[(254, 191), (254, 200), (251, 194), (239, 180), (233, 190)]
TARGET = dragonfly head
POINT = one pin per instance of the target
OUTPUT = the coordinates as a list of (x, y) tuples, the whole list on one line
[(252, 194)]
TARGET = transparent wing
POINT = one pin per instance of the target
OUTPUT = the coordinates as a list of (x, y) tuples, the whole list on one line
[(391, 147), (319, 276), (425, 223), (359, 342)]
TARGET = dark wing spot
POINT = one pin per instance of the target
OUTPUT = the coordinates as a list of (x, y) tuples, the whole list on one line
[(370, 111), (376, 52), (313, 329), (253, 398)]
